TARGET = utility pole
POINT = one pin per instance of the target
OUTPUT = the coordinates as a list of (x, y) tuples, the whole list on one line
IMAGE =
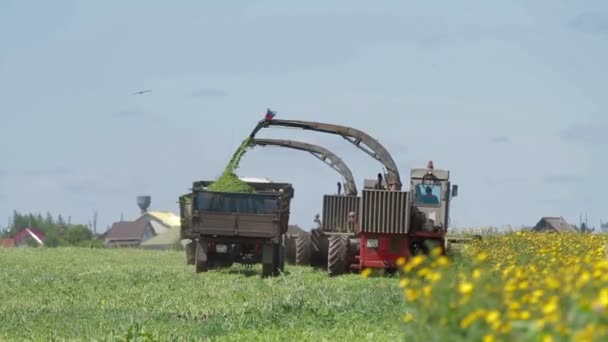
[(95, 222)]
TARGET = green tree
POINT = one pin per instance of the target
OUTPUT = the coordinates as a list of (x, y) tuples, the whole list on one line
[(52, 239), (77, 233), (91, 244)]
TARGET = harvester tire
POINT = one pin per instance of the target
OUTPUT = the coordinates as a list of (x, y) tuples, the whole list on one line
[(337, 262), (202, 256), (303, 249), (319, 248), (290, 249)]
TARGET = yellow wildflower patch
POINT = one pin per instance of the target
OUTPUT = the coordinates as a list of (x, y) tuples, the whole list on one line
[(546, 287)]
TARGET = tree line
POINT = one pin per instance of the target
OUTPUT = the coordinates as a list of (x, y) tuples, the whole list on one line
[(57, 231)]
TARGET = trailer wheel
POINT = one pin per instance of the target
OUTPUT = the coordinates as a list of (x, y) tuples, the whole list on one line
[(303, 249), (337, 262), (270, 259), (202, 256), (282, 256), (319, 248), (190, 252)]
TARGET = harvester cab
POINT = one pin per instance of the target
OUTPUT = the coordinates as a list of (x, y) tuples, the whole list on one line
[(431, 193)]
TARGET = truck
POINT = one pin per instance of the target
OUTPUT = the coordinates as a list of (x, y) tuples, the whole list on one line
[(246, 228), (382, 225)]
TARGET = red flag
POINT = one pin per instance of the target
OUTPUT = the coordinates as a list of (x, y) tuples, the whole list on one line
[(270, 114)]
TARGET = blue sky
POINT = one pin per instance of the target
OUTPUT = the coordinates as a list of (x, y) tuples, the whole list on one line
[(510, 96)]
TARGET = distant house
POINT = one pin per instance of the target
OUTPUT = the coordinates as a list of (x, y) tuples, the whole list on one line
[(128, 233), (165, 241), (553, 224), (21, 239), (135, 233), (161, 221), (29, 233), (7, 243), (294, 229), (168, 235)]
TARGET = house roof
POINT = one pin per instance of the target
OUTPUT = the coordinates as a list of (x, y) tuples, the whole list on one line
[(167, 218), (294, 229), (169, 237), (32, 232), (126, 230), (557, 223)]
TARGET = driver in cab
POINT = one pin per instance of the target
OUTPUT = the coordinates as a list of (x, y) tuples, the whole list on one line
[(429, 198)]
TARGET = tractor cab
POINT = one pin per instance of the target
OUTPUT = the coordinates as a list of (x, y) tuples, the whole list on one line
[(431, 193)]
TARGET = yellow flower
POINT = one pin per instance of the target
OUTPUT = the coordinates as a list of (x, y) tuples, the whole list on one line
[(414, 262), (476, 273), (550, 307), (465, 287), (400, 261), (443, 261), (366, 272), (492, 316), (488, 338), (412, 294), (481, 256), (434, 276), (408, 317)]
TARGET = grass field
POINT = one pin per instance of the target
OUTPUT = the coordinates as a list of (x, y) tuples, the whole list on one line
[(514, 287), (103, 294)]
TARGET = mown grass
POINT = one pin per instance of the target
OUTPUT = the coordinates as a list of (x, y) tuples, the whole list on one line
[(99, 294)]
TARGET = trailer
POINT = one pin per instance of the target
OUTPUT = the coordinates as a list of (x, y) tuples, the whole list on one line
[(246, 228)]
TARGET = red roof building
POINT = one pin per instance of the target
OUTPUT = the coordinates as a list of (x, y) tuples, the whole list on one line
[(29, 232), (7, 243)]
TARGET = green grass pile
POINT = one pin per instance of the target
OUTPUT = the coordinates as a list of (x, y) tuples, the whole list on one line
[(229, 181)]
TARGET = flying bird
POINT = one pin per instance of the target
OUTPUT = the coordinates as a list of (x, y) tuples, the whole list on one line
[(142, 92)]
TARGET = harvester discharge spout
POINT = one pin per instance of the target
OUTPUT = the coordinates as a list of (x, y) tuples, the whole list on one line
[(356, 137), (326, 156)]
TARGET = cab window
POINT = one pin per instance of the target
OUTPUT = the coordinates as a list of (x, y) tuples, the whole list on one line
[(428, 194)]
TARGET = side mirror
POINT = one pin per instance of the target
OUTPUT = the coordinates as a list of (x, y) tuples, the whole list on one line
[(454, 190)]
